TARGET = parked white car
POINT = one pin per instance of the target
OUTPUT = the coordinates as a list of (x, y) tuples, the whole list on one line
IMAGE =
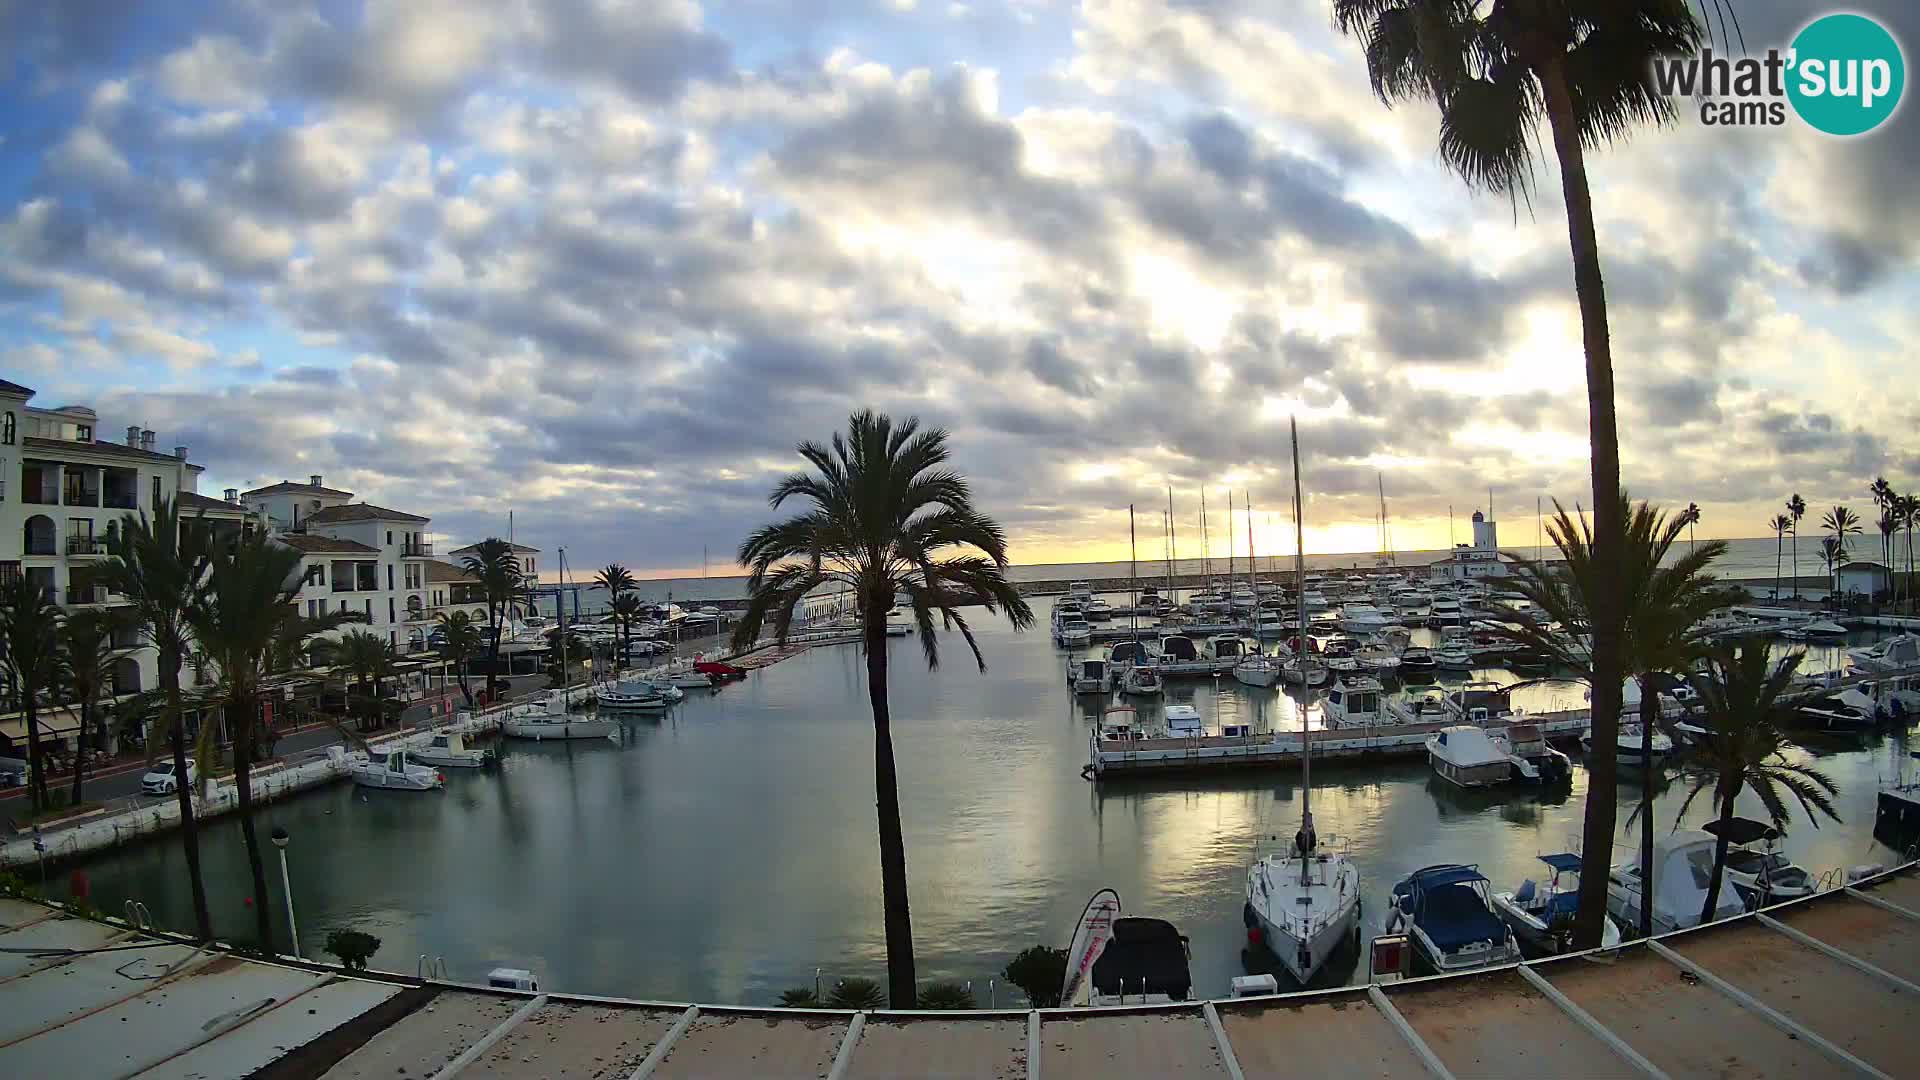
[(161, 781)]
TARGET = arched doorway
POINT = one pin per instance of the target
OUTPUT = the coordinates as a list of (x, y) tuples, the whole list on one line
[(39, 536)]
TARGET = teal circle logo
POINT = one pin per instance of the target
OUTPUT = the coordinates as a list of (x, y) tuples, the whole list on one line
[(1846, 74)]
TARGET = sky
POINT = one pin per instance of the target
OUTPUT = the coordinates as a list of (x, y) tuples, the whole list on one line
[(604, 263)]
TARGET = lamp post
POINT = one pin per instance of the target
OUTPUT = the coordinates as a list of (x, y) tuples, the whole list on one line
[(280, 840)]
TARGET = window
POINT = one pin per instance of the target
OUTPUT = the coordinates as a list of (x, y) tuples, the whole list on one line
[(6, 429), (316, 574), (389, 537), (313, 608), (83, 433), (369, 607), (393, 637), (390, 617), (156, 492), (389, 567)]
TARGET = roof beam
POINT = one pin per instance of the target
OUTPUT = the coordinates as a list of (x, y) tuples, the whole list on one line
[(1414, 1042), (1771, 1015)]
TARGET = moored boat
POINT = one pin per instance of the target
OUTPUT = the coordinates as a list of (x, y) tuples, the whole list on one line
[(551, 719), (1542, 915), (448, 749), (1448, 915), (394, 770)]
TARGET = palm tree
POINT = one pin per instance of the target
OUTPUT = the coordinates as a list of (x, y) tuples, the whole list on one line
[(883, 509), (461, 637), (87, 655), (1909, 508), (1740, 701), (618, 582), (1883, 499), (1797, 507), (497, 570), (157, 564), (252, 585), (1587, 66), (1780, 524), (30, 631), (1889, 525), (627, 610), (1839, 523), (369, 658), (1690, 517), (1664, 605)]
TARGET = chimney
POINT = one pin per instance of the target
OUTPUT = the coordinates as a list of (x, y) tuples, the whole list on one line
[(233, 495), (313, 479), (146, 439), (133, 434), (180, 452)]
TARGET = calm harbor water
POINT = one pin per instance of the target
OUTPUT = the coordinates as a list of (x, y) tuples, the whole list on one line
[(724, 851)]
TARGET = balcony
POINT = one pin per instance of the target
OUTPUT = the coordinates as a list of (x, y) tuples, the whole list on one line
[(417, 549), (9, 573), (40, 496), (87, 594), (418, 614), (121, 500), (86, 545), (83, 496), (343, 586)]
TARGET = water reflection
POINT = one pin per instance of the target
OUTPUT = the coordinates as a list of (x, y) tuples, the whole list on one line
[(724, 850)]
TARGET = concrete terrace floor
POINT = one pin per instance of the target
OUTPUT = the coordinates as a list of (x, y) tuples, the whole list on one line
[(1820, 987)]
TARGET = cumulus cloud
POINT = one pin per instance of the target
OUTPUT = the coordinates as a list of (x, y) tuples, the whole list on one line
[(617, 257)]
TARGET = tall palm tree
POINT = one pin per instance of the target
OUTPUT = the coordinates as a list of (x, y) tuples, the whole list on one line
[(883, 510), (1664, 605), (1889, 525), (252, 586), (627, 610), (1740, 702), (461, 638), (1839, 524), (30, 632), (1884, 497), (157, 564), (1780, 524), (497, 570), (1586, 65), (1690, 517), (87, 655), (618, 582), (1909, 509), (1797, 507)]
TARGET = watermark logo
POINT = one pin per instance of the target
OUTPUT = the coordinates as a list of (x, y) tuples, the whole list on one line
[(1844, 74)]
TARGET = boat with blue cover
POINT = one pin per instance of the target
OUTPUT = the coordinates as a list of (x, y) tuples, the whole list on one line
[(1447, 913), (1541, 915)]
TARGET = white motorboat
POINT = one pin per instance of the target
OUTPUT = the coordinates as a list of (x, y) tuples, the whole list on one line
[(1448, 914), (1315, 602), (1178, 649), (685, 676), (1354, 702), (1227, 647), (1445, 612), (1209, 602), (1306, 671), (1258, 670), (1412, 599), (1338, 656), (1183, 722), (1683, 863), (1359, 618), (1125, 654), (1243, 598), (1099, 611), (633, 693), (1416, 663), (1892, 654), (1470, 756), (898, 625), (1815, 630), (1848, 710), (1090, 675), (1270, 625), (1454, 656), (1428, 708), (1627, 747), (1762, 875), (1481, 702), (394, 770), (1079, 590), (551, 719), (1074, 632), (1383, 660), (449, 750), (1542, 915), (1139, 680)]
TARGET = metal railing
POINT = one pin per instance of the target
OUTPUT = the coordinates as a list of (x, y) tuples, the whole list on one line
[(87, 594), (121, 502), (417, 548), (86, 545), (79, 497), (43, 497)]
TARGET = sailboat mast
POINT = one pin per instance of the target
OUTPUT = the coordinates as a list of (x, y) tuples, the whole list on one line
[(1250, 578), (1229, 538), (1305, 842), (1206, 544), (1133, 575), (1173, 546)]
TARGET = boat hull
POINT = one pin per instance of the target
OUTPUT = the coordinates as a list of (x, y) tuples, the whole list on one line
[(1470, 776), (543, 731)]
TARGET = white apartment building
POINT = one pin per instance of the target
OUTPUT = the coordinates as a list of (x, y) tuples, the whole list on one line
[(62, 490), (355, 556)]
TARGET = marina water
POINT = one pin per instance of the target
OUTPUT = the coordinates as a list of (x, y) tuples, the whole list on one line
[(725, 851)]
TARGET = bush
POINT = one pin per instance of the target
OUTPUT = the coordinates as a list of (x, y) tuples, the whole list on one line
[(857, 993), (1038, 972), (800, 998), (352, 948), (946, 996)]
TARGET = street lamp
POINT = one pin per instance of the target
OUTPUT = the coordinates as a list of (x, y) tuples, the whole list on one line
[(280, 840)]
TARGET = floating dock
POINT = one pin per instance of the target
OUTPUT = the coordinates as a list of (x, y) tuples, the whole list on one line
[(1824, 986), (1163, 756)]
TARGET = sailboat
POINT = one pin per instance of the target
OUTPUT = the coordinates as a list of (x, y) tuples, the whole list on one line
[(1138, 679), (1306, 903)]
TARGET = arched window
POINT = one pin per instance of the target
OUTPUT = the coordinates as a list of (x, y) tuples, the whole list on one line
[(39, 538)]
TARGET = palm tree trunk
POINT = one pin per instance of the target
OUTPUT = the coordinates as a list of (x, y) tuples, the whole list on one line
[(1779, 541), (1796, 564), (465, 691), (1649, 712), (80, 749), (1602, 795), (242, 705), (34, 763), (183, 792), (1719, 851), (901, 984)]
